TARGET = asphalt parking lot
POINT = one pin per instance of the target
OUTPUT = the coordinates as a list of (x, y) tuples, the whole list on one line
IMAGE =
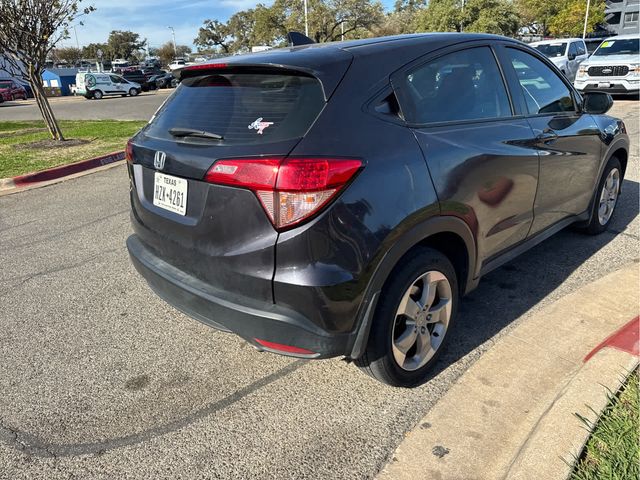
[(140, 107), (101, 379)]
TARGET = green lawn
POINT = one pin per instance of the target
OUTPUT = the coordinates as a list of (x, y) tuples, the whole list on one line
[(613, 450), (18, 157)]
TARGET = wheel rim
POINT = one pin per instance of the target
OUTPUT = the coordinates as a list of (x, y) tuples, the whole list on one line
[(98, 95), (609, 196), (421, 320)]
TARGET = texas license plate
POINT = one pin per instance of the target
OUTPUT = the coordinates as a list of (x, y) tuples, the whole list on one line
[(604, 85), (170, 193)]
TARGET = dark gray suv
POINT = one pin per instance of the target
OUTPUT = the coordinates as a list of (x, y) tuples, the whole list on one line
[(339, 199)]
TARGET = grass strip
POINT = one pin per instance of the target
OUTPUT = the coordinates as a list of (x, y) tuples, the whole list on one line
[(24, 145), (613, 450)]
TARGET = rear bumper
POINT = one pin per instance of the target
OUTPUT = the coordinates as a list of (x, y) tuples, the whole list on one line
[(248, 318)]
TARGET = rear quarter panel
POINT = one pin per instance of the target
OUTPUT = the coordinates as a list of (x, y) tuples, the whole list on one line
[(323, 268)]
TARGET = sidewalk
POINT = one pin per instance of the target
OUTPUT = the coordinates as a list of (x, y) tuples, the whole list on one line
[(512, 415)]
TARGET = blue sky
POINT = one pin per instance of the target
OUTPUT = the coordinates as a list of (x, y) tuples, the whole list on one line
[(151, 18)]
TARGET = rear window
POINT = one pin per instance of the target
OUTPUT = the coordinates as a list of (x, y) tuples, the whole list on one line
[(244, 108)]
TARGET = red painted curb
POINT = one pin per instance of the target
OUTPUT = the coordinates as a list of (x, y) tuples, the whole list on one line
[(626, 339), (66, 170)]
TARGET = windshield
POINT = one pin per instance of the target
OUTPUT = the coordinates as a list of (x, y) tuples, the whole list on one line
[(244, 108), (552, 49), (627, 46), (5, 84)]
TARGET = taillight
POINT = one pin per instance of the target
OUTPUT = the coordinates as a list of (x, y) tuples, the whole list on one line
[(290, 189), (129, 152)]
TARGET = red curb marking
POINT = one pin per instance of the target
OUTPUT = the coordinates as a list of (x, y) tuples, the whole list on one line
[(626, 339), (65, 170)]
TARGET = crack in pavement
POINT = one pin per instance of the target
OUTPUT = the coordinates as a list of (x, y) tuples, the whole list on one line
[(32, 445), (73, 229), (61, 268)]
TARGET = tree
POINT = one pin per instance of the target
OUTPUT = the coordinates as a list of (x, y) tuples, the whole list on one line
[(69, 55), (91, 50), (213, 34), (327, 18), (488, 16), (29, 30), (440, 16), (536, 15), (124, 44), (569, 21), (491, 16), (263, 25), (166, 52)]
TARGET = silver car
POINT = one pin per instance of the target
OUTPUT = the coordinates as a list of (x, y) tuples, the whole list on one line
[(567, 54), (613, 68)]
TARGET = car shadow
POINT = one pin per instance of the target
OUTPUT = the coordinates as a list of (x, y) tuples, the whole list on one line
[(507, 293)]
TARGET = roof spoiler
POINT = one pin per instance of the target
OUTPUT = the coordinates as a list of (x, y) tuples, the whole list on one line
[(297, 38)]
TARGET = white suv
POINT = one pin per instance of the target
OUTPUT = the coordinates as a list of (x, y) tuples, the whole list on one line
[(613, 68), (567, 54)]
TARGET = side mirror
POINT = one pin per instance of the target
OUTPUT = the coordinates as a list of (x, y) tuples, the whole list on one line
[(597, 102), (572, 56)]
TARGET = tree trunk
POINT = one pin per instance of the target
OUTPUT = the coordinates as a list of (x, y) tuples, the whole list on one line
[(35, 80)]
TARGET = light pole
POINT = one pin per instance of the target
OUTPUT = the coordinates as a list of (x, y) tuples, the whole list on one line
[(306, 20), (76, 33), (173, 32), (586, 19)]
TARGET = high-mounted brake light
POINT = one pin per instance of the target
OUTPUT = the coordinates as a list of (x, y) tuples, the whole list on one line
[(205, 66), (290, 189)]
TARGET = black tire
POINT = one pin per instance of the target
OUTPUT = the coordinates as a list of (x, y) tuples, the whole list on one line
[(133, 92), (378, 359), (595, 226), (97, 94)]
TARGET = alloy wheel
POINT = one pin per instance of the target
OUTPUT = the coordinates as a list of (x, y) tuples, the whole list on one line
[(421, 320), (609, 196)]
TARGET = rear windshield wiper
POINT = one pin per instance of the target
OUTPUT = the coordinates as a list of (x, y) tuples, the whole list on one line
[(191, 132)]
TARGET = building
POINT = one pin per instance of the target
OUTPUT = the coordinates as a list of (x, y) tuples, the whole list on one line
[(61, 78), (621, 16)]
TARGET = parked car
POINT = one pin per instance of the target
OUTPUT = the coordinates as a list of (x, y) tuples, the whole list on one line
[(97, 85), (12, 90), (137, 76), (567, 54), (164, 80), (177, 64), (613, 68), (340, 200)]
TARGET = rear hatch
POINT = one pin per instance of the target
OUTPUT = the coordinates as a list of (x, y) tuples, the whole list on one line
[(218, 234)]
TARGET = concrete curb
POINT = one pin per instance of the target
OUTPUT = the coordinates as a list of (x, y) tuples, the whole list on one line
[(514, 413), (55, 174)]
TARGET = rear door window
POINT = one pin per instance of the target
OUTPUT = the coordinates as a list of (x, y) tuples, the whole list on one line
[(244, 108), (543, 90), (464, 85)]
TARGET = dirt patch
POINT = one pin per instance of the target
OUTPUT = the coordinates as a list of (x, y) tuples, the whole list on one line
[(22, 132), (51, 144)]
